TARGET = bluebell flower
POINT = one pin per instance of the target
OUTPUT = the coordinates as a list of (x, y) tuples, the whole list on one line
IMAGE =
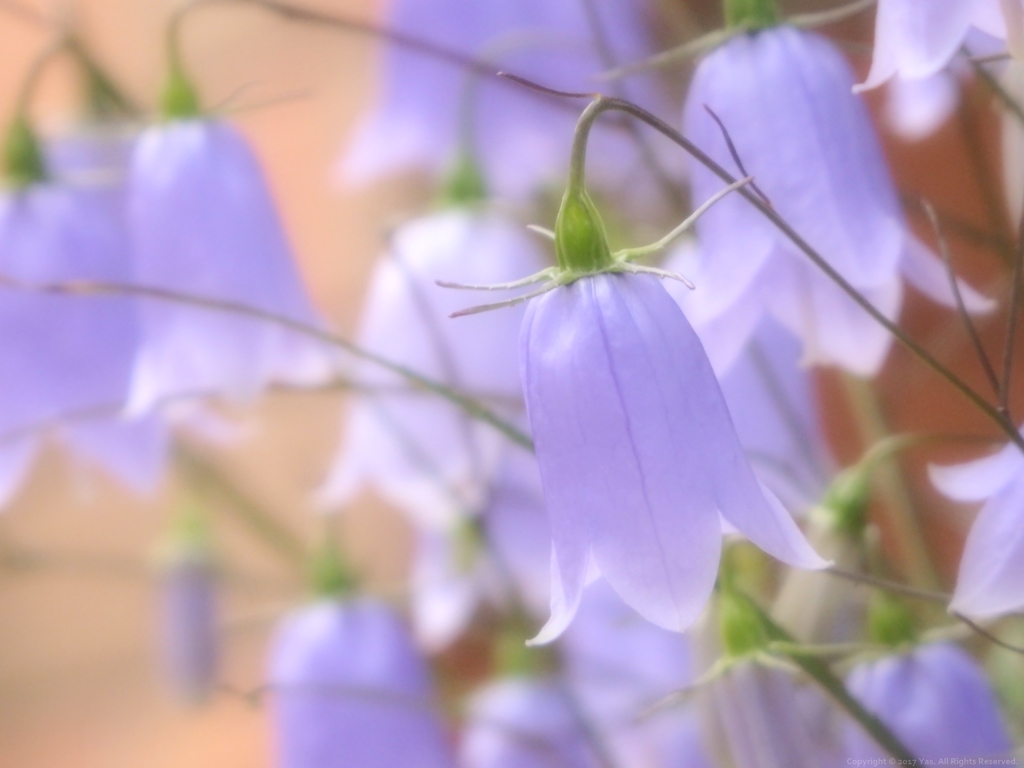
[(935, 699), (431, 110), (422, 453), (915, 39), (189, 623), (991, 578), (784, 97), (351, 691), (66, 361), (638, 454), (204, 224)]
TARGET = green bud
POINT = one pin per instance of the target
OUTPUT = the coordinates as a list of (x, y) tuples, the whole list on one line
[(889, 621), (743, 632), (751, 14), (581, 242), (180, 99), (846, 501), (465, 185), (329, 574), (23, 158)]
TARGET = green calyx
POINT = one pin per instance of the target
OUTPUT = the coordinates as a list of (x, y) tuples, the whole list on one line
[(751, 14), (890, 622), (23, 157), (743, 631), (465, 185), (180, 99), (846, 501), (581, 243), (329, 574)]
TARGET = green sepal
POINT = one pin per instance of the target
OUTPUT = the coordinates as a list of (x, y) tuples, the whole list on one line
[(180, 99), (846, 500), (751, 14), (465, 185), (581, 242), (743, 631), (329, 574), (890, 622), (23, 157)]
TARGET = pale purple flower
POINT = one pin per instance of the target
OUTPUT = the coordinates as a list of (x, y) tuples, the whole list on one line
[(991, 578), (620, 668), (915, 39), (65, 361), (430, 109), (189, 623), (500, 556), (915, 109), (784, 96), (351, 691), (935, 699), (638, 455), (524, 722), (419, 451), (204, 224)]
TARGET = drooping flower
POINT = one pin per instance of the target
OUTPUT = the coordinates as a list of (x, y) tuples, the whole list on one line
[(204, 224), (784, 97), (431, 110), (423, 453), (350, 691), (525, 722), (935, 699), (65, 361), (189, 622), (915, 39), (637, 452), (991, 578)]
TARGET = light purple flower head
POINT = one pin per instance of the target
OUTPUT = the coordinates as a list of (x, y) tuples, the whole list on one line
[(991, 578), (204, 224), (935, 699), (915, 39), (784, 97), (500, 555), (351, 691), (66, 360), (428, 107), (637, 452), (524, 722), (189, 623), (420, 452)]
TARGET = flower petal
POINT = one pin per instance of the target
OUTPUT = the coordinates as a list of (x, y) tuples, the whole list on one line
[(979, 479)]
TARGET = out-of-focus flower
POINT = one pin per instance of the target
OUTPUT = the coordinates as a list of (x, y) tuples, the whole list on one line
[(525, 722), (502, 555), (423, 453), (935, 699), (915, 39), (204, 224), (638, 455), (351, 691), (66, 360), (189, 621), (431, 110), (915, 109), (784, 97), (619, 668), (991, 578)]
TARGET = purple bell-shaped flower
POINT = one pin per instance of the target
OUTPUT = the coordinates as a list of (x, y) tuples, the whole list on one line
[(204, 224), (351, 691), (935, 699), (784, 97)]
